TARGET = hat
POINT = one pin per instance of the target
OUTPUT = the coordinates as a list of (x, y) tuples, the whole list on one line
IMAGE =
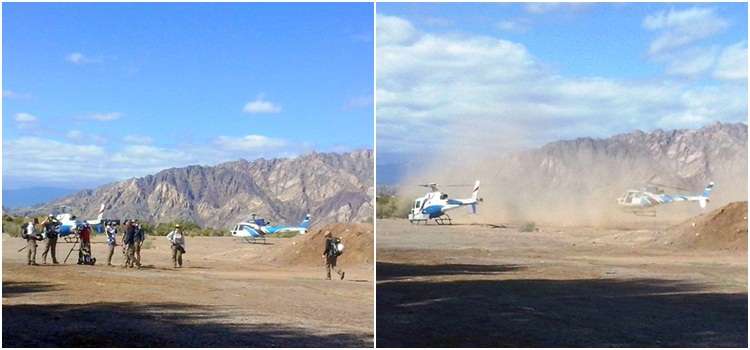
[(177, 225), (328, 234)]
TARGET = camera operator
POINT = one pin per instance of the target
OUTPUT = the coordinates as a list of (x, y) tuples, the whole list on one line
[(50, 225)]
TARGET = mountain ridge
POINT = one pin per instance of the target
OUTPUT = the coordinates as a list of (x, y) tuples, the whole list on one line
[(332, 187)]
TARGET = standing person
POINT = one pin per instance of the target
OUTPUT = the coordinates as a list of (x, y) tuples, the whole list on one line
[(177, 238), (31, 233), (50, 231), (111, 241), (330, 254), (128, 239), (138, 239)]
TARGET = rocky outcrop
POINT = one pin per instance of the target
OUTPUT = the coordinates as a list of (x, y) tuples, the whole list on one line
[(332, 187)]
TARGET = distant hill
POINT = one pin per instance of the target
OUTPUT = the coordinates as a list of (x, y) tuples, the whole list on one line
[(332, 187), (26, 197), (579, 180)]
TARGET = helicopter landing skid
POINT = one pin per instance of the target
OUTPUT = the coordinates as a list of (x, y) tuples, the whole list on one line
[(446, 220)]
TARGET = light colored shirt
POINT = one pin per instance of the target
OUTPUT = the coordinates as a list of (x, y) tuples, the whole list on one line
[(177, 238), (111, 235)]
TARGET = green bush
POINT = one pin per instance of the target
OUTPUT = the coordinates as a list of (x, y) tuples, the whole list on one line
[(391, 206)]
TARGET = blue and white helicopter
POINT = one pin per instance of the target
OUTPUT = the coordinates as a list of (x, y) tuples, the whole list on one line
[(642, 202), (69, 224), (258, 228), (435, 205)]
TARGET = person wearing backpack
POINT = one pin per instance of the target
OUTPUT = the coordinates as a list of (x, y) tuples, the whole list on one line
[(177, 238), (31, 234), (331, 254), (50, 231)]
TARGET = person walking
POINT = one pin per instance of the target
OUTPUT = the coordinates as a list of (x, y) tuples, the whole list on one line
[(331, 254), (177, 238), (31, 233), (138, 241), (50, 232), (111, 231)]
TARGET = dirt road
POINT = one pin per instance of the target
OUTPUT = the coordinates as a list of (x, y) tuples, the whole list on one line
[(467, 285), (227, 295)]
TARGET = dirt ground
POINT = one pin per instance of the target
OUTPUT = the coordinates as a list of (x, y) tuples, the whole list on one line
[(485, 285), (229, 294)]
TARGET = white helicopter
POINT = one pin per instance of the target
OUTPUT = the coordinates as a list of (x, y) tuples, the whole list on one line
[(641, 202), (258, 228), (435, 205), (69, 224)]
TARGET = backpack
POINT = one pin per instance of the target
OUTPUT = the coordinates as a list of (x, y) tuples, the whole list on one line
[(24, 228), (338, 247)]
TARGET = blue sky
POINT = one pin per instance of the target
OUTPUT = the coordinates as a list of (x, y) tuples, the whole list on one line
[(477, 77), (112, 91)]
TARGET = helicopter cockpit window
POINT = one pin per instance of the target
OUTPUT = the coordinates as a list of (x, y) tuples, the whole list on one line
[(417, 204), (444, 196)]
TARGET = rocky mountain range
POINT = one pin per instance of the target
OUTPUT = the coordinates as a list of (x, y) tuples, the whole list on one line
[(331, 187), (583, 177)]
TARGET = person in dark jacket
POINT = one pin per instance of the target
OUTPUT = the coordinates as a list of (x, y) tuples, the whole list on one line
[(50, 232), (128, 241), (139, 237), (330, 256)]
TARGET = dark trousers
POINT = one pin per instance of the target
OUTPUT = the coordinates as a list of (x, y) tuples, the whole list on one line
[(50, 247), (331, 265), (176, 255)]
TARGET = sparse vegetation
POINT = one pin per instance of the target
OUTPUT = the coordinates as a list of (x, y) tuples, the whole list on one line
[(190, 228), (528, 227), (390, 205)]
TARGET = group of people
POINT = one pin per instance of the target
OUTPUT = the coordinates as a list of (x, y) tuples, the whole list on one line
[(132, 241), (47, 232)]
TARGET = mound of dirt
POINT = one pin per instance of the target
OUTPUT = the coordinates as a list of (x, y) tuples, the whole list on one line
[(724, 228), (308, 249)]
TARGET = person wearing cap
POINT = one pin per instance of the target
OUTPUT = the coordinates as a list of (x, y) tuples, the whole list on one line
[(330, 256), (177, 238), (50, 232), (128, 241)]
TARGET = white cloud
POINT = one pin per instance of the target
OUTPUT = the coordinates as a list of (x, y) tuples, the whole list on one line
[(541, 7), (477, 93), (10, 94), (393, 30), (26, 118), (732, 63), (138, 139), (678, 28), (79, 58), (105, 117), (260, 105), (248, 143), (692, 62), (520, 25)]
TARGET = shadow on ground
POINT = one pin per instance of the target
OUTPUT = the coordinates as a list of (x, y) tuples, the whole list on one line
[(149, 325), (479, 312), (13, 289), (388, 271)]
